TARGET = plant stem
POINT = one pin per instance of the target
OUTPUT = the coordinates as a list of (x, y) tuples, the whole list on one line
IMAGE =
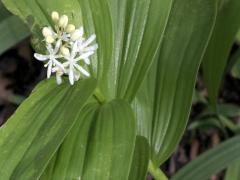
[(156, 172), (99, 96)]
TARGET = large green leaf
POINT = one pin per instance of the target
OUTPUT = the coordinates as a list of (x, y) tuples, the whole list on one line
[(174, 75), (218, 50), (37, 13), (111, 143), (32, 135), (12, 31), (140, 161), (11, 28), (211, 162), (233, 171), (100, 147), (129, 35), (68, 162), (3, 12)]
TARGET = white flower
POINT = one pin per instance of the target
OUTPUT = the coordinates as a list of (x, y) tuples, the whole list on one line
[(72, 63), (51, 58), (66, 47), (85, 47)]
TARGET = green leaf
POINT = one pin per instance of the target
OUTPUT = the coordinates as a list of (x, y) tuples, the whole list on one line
[(141, 156), (12, 31), (238, 36), (68, 162), (4, 13), (206, 124), (211, 161), (219, 47), (111, 143), (229, 110), (233, 171), (32, 135), (185, 39), (235, 70), (101, 146), (143, 104), (37, 14), (129, 34), (11, 28)]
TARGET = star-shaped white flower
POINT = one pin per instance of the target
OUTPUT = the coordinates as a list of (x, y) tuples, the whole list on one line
[(74, 69), (51, 58), (85, 47)]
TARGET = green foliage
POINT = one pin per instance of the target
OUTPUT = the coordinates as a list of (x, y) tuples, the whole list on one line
[(233, 172), (99, 145), (166, 95), (146, 65), (215, 59), (211, 162), (12, 29), (38, 127)]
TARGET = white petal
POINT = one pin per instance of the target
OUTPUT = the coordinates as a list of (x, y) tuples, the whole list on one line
[(41, 57), (74, 49), (49, 70), (77, 76), (87, 61), (85, 55), (60, 65), (50, 48), (81, 30), (82, 70), (71, 75), (57, 47), (89, 40), (91, 48)]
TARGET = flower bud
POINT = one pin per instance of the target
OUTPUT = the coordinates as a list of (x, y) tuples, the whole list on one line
[(50, 39), (63, 21), (76, 35), (47, 32), (55, 16), (65, 51), (70, 28)]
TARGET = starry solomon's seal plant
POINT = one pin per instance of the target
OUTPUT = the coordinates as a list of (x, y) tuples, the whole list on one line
[(119, 103)]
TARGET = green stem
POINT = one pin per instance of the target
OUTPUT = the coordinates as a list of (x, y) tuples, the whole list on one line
[(156, 172), (99, 96)]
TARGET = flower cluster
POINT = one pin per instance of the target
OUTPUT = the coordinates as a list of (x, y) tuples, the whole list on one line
[(67, 49)]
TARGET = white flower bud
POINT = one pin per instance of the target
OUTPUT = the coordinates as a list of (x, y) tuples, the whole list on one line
[(63, 21), (70, 28), (47, 32), (50, 39), (65, 51), (55, 16), (76, 35)]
